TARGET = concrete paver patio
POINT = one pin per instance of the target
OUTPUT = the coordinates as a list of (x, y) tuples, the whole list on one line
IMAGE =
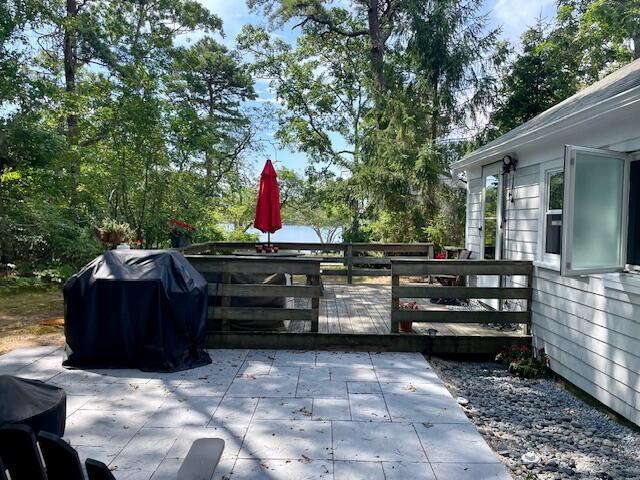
[(283, 415)]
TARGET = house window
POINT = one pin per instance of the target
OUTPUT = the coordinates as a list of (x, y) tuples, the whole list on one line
[(596, 228), (553, 213)]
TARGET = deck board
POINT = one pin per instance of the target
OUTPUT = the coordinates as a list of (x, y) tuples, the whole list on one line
[(366, 309)]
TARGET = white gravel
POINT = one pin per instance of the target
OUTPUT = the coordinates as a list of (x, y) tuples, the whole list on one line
[(572, 438)]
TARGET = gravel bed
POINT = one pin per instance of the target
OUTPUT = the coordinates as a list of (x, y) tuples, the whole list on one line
[(572, 438)]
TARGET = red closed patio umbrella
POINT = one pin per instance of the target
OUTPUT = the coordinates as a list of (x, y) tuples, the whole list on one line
[(268, 207)]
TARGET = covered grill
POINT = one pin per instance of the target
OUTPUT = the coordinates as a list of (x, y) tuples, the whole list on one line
[(143, 309)]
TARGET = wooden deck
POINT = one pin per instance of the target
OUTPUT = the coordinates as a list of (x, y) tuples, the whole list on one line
[(364, 316), (366, 309), (358, 318)]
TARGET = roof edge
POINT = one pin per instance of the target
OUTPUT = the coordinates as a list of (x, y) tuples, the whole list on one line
[(620, 100)]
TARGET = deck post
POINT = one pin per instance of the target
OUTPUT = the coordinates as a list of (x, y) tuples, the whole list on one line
[(527, 328), (225, 301), (395, 302), (349, 260), (315, 304)]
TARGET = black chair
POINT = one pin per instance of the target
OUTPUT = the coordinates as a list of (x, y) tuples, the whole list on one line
[(97, 470), (3, 471), (60, 458), (19, 452)]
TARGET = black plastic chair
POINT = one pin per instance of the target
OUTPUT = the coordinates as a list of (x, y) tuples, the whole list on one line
[(60, 458), (97, 470), (3, 471), (19, 452)]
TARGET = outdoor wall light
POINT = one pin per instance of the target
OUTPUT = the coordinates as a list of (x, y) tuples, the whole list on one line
[(431, 334), (508, 163)]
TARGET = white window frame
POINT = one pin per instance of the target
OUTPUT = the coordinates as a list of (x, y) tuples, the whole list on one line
[(567, 217), (547, 260)]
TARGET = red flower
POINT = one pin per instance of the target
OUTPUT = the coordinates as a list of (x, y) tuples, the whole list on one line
[(441, 255), (514, 348), (524, 349), (178, 223)]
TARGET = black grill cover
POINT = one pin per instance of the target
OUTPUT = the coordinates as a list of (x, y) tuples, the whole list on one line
[(143, 309), (33, 403)]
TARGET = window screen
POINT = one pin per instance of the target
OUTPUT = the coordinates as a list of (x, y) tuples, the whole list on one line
[(595, 218)]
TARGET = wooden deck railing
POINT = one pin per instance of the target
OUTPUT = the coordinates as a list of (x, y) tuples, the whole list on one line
[(501, 268), (356, 258), (218, 270)]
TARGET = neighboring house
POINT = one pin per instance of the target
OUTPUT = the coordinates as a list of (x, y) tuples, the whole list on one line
[(572, 205)]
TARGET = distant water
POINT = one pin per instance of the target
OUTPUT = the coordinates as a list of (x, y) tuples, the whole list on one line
[(295, 233)]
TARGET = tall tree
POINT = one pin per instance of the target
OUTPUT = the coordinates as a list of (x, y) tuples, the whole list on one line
[(587, 40), (455, 58), (209, 84), (322, 86), (536, 80), (610, 24), (374, 20)]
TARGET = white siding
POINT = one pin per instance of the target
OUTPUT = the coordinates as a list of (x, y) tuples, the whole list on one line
[(522, 204), (589, 326), (592, 335)]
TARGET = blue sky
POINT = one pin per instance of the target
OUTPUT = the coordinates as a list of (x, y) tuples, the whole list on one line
[(513, 16)]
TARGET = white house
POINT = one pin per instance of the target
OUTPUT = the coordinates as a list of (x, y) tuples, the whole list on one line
[(563, 190)]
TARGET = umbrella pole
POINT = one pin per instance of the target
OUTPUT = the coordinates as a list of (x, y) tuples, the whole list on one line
[(268, 239)]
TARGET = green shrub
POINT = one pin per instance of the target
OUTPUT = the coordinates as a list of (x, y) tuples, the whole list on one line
[(522, 361)]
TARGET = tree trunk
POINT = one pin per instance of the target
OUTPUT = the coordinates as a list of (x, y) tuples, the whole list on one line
[(377, 45), (70, 45), (208, 160), (435, 110), (636, 45), (208, 166)]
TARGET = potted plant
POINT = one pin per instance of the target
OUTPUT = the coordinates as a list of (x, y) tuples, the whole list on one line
[(180, 233), (407, 326), (112, 232)]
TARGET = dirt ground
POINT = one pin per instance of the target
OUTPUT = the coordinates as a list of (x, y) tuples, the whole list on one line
[(31, 317)]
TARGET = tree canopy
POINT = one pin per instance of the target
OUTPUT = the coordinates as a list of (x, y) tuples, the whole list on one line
[(110, 112)]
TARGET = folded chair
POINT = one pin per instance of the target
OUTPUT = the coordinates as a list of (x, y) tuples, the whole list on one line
[(60, 458), (19, 452)]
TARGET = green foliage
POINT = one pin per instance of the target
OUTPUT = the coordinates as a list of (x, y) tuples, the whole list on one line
[(121, 231), (131, 141), (524, 362), (378, 127), (131, 126), (589, 39)]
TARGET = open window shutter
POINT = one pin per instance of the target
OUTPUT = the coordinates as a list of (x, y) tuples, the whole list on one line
[(594, 234)]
